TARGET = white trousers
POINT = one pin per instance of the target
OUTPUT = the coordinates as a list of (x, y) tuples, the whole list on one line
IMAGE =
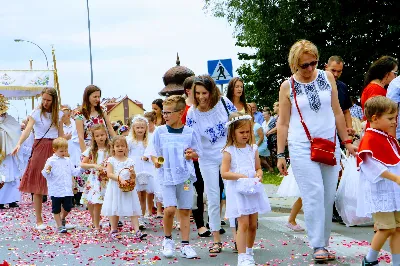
[(210, 173), (317, 183)]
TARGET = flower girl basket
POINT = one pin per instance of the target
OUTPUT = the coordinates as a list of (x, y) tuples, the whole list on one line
[(130, 183)]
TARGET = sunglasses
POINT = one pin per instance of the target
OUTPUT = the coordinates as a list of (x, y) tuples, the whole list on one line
[(395, 72), (306, 65)]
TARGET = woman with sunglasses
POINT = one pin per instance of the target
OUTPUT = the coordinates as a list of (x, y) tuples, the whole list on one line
[(208, 116), (317, 98), (377, 79)]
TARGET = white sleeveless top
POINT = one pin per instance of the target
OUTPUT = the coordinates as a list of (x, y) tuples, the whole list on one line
[(315, 103)]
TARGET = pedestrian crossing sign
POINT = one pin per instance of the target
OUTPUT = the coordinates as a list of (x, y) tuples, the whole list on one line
[(220, 70)]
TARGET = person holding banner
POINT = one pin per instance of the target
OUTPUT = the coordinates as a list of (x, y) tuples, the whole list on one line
[(45, 121)]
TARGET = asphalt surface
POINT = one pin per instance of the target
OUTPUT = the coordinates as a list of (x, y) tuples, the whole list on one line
[(275, 244)]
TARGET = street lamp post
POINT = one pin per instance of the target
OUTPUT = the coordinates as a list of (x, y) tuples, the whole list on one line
[(90, 43), (47, 61)]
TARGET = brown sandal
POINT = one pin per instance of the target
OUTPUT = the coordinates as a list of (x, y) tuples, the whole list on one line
[(216, 248)]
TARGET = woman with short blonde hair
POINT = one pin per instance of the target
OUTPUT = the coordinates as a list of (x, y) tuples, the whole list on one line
[(315, 93)]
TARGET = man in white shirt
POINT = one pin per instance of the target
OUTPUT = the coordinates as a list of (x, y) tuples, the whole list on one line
[(59, 172), (393, 93)]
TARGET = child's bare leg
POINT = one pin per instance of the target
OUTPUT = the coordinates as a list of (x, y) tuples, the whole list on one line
[(395, 242), (150, 203), (135, 223), (63, 214), (159, 209), (241, 236), (295, 211), (184, 216), (96, 215), (90, 209), (251, 233), (142, 199), (168, 219), (57, 217), (114, 223)]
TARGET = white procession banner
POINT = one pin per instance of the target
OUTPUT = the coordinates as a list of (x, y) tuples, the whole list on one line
[(19, 84)]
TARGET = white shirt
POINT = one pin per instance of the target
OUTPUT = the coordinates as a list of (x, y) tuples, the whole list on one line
[(59, 180), (42, 124), (71, 129), (210, 126), (393, 93)]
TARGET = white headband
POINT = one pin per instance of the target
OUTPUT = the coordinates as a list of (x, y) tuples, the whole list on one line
[(141, 118), (242, 117)]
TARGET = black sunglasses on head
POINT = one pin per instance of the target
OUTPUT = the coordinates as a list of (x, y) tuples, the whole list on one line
[(306, 65)]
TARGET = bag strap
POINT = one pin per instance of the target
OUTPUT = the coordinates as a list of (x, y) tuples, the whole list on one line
[(40, 139), (224, 103), (298, 110)]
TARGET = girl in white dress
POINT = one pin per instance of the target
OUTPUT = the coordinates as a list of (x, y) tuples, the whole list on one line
[(93, 160), (116, 202), (137, 143), (245, 196)]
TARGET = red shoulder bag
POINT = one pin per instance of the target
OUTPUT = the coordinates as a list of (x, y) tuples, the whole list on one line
[(322, 150)]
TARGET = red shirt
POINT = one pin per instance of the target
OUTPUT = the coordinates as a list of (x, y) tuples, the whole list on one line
[(370, 91), (184, 114)]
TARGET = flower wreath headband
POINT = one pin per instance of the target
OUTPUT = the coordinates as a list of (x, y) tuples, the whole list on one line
[(140, 118), (235, 119)]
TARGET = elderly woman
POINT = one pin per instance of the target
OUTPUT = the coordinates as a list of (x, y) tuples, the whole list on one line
[(312, 95)]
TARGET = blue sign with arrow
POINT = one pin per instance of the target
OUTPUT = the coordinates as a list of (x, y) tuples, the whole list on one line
[(220, 70)]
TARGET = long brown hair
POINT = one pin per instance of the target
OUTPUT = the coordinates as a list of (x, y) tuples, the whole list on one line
[(230, 140), (231, 90), (380, 68), (86, 107), (94, 148), (54, 106), (207, 82)]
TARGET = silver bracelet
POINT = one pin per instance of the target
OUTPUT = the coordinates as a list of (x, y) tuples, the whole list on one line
[(281, 155)]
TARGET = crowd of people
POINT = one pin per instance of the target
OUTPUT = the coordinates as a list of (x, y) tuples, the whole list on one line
[(159, 165)]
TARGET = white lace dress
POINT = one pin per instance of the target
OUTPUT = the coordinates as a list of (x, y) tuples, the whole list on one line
[(237, 204), (145, 168), (116, 202)]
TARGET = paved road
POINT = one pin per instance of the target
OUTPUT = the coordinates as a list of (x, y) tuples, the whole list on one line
[(275, 244)]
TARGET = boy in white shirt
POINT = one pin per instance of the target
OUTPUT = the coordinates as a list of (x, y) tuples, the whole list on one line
[(379, 187), (59, 172), (178, 145)]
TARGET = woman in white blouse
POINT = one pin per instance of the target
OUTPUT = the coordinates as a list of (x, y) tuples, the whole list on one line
[(208, 116), (45, 120)]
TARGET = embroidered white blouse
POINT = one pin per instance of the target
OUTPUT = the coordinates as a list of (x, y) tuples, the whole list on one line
[(210, 126), (176, 169), (59, 180)]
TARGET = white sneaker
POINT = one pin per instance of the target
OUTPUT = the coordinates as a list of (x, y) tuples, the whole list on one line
[(246, 260), (188, 252), (168, 248), (69, 226), (41, 227)]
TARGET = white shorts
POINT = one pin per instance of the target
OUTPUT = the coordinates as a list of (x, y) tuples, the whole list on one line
[(176, 196)]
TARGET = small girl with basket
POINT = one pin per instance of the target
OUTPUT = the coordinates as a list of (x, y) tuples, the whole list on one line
[(245, 195), (121, 198), (137, 143), (94, 160)]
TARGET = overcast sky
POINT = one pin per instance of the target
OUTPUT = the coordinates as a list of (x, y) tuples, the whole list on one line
[(133, 43)]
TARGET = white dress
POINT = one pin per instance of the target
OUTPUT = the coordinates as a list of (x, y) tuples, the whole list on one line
[(116, 202), (156, 175), (145, 168), (289, 187), (94, 190), (237, 204), (9, 168)]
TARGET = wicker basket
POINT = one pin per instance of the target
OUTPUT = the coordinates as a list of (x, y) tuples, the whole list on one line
[(130, 184)]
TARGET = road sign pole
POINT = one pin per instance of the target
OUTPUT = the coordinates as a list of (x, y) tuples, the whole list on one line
[(222, 88)]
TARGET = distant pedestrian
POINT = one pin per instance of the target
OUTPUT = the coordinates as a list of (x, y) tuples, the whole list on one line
[(237, 96), (258, 117), (355, 109)]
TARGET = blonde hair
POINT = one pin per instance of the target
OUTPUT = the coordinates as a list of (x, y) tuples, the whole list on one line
[(60, 143), (299, 48), (378, 106), (94, 148), (230, 140), (176, 99), (114, 141), (146, 133)]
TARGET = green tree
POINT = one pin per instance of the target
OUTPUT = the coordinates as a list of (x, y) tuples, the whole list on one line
[(360, 31)]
